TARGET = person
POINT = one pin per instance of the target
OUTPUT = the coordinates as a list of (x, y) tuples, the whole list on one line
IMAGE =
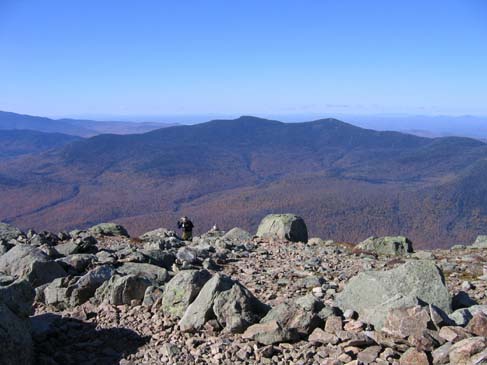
[(187, 227)]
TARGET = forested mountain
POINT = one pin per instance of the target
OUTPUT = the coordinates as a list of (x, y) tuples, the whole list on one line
[(20, 142), (348, 182)]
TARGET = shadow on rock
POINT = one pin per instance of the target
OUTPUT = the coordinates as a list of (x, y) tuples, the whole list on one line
[(61, 340)]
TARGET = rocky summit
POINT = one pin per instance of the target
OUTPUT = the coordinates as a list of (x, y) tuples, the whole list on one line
[(99, 296)]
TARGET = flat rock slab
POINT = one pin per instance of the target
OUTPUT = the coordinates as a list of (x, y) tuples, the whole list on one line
[(373, 293)]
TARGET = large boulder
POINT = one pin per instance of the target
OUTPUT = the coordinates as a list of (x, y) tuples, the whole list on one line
[(373, 293), (201, 309), (157, 275), (57, 293), (120, 290), (237, 308), (86, 285), (225, 300), (283, 226), (188, 254), (181, 290), (15, 307), (160, 258), (388, 246), (30, 263), (299, 316), (70, 291), (480, 242), (109, 229)]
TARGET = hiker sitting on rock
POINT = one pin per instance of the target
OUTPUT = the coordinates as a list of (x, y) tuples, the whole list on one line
[(187, 226)]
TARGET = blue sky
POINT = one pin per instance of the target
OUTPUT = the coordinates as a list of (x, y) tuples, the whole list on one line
[(149, 58)]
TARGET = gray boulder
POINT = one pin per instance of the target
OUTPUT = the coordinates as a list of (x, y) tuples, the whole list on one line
[(70, 291), (181, 290), (129, 254), (120, 290), (480, 242), (30, 263), (201, 309), (157, 275), (373, 293), (388, 246), (104, 257), (57, 294), (237, 308), (15, 330), (188, 254), (161, 239), (237, 234), (109, 229), (86, 285), (8, 232), (269, 333), (300, 316), (160, 258), (77, 262), (283, 226), (82, 244), (232, 305)]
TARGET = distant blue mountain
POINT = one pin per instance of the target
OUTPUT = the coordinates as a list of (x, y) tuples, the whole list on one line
[(74, 127)]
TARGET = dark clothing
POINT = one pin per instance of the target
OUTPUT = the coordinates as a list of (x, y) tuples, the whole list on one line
[(187, 236), (187, 228)]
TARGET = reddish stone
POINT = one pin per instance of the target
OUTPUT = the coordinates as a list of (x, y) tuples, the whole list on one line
[(478, 325), (414, 357)]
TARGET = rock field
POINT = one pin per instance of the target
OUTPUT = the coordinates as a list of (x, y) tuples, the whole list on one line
[(101, 297)]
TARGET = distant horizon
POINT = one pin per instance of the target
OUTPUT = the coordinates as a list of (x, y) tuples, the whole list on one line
[(471, 126), (301, 117)]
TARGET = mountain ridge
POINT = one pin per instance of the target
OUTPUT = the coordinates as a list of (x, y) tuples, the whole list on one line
[(351, 182), (76, 127)]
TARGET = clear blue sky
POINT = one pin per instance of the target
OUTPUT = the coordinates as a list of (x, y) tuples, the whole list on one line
[(116, 57)]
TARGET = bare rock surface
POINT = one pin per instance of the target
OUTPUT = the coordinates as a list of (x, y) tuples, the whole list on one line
[(30, 263), (373, 293), (229, 298)]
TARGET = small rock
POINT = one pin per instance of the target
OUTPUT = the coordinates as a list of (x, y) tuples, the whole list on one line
[(320, 336), (478, 324), (461, 351), (414, 357)]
